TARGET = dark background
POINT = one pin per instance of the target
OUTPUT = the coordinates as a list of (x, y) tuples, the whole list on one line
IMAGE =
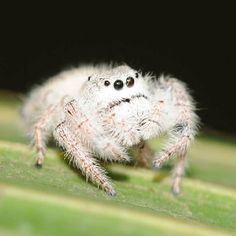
[(195, 45)]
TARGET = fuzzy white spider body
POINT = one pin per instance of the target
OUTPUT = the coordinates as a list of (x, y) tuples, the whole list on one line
[(102, 110)]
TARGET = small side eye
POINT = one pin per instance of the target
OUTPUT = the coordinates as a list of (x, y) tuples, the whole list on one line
[(107, 83), (136, 75), (89, 78), (130, 81)]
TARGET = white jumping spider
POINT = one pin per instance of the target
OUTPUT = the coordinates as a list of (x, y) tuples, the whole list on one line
[(100, 111)]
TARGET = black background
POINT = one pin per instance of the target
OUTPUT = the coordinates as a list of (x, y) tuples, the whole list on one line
[(196, 44)]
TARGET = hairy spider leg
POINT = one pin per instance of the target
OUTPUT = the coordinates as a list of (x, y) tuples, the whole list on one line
[(91, 136), (41, 135), (182, 131), (80, 156)]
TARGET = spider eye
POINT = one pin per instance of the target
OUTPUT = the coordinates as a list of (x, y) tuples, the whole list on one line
[(136, 75), (118, 84), (89, 78), (130, 81), (107, 83)]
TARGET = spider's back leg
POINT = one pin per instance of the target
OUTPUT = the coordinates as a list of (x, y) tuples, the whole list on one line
[(37, 120), (40, 134)]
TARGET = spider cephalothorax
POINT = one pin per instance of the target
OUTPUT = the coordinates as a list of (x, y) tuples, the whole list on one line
[(100, 111)]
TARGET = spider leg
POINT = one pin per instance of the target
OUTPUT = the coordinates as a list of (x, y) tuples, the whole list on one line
[(143, 154), (177, 174), (181, 128), (82, 158), (92, 135), (178, 147), (40, 134)]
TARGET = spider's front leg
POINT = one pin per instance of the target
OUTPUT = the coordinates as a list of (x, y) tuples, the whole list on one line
[(82, 158), (181, 126), (92, 134)]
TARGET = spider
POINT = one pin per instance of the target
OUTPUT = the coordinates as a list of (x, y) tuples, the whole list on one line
[(101, 111)]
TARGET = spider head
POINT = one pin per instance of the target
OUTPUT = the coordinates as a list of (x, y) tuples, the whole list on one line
[(119, 84)]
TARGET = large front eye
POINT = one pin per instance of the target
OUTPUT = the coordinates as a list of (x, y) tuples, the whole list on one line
[(130, 81), (118, 84)]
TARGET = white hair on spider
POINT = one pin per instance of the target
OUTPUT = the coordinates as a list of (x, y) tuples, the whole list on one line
[(100, 111)]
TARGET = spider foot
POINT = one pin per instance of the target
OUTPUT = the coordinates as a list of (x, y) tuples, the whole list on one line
[(175, 189), (39, 162), (124, 158), (157, 163), (110, 190), (112, 193)]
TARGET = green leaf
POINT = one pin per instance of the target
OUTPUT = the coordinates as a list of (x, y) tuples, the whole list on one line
[(56, 200)]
